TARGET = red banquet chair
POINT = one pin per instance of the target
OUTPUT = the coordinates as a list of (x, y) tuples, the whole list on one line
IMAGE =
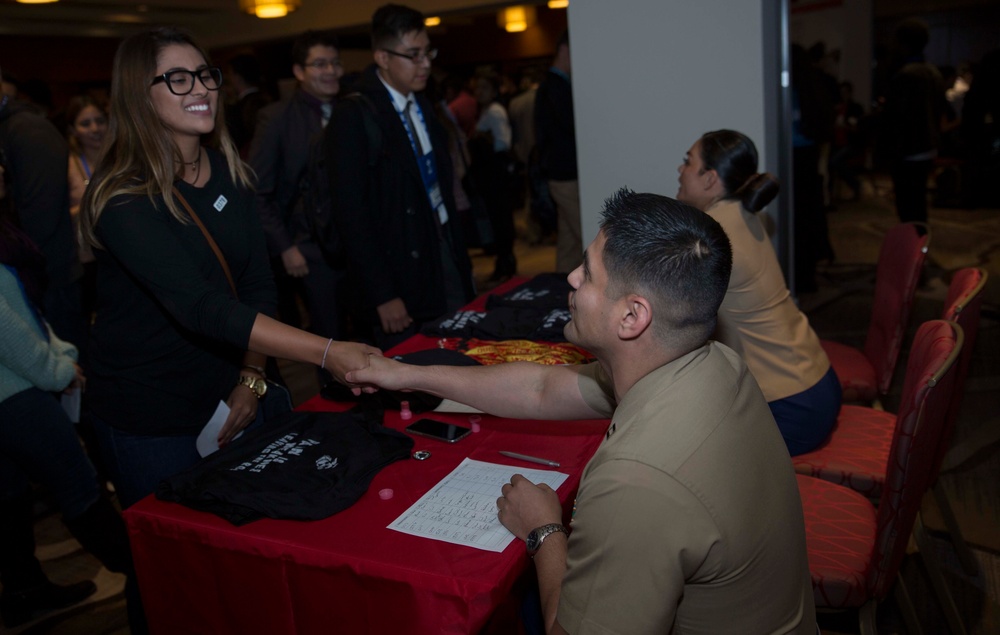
[(963, 306), (867, 373), (855, 549), (857, 451)]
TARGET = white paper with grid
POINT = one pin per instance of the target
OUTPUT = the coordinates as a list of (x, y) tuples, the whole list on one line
[(462, 507)]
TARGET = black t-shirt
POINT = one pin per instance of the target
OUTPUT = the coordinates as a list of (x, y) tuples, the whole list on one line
[(304, 466), (169, 338)]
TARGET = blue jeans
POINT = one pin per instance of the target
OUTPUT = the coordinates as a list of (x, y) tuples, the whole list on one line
[(806, 419), (38, 443), (138, 462)]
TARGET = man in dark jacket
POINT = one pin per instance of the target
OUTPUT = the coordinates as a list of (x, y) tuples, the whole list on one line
[(913, 109), (555, 137), (279, 155), (390, 181), (35, 156)]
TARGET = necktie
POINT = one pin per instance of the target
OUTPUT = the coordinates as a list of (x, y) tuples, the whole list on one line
[(327, 110), (413, 126)]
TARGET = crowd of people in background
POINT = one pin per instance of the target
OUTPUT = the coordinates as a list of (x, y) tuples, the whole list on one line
[(926, 127)]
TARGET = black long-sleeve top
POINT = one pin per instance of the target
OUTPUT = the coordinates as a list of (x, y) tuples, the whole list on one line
[(169, 337)]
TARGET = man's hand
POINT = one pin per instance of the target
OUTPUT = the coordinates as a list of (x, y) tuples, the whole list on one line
[(524, 506), (242, 404), (382, 372), (393, 315), (344, 357), (295, 262)]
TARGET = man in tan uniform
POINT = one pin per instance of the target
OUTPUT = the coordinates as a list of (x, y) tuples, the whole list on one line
[(688, 517)]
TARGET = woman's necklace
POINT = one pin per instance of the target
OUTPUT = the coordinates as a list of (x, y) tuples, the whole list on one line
[(194, 165)]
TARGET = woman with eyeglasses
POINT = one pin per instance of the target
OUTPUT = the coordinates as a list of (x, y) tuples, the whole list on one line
[(758, 317), (182, 322)]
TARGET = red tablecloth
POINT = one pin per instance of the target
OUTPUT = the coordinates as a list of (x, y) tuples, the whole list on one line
[(347, 573)]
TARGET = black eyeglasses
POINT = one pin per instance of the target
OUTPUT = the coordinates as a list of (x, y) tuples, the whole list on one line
[(181, 81), (415, 56)]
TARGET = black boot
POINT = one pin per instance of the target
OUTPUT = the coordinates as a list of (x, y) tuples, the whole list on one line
[(101, 531), (27, 592), (18, 607)]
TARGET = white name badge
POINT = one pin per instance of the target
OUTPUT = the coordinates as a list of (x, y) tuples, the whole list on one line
[(437, 202), (220, 203)]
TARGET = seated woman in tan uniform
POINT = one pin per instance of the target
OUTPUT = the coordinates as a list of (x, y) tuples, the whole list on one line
[(758, 318)]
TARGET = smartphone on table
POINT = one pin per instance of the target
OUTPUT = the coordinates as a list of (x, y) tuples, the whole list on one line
[(440, 430)]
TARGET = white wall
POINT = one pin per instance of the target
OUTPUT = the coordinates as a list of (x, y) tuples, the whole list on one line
[(649, 77)]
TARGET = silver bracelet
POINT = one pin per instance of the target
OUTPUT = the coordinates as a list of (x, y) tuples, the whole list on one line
[(322, 364)]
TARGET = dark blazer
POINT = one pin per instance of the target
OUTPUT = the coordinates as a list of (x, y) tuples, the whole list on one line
[(241, 118), (382, 212), (36, 157), (555, 134), (278, 155)]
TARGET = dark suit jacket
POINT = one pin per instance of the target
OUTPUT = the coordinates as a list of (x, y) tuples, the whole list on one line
[(36, 159), (241, 118), (555, 135), (278, 155), (383, 213)]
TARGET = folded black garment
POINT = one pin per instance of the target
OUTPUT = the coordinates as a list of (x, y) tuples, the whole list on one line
[(511, 323), (392, 399), (544, 292), (302, 466), (458, 324)]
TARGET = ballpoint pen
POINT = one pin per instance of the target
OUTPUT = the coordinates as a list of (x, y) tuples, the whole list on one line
[(525, 457)]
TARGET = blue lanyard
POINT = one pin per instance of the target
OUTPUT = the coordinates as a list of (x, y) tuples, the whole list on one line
[(428, 169)]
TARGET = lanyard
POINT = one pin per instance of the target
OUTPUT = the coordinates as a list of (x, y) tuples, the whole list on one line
[(428, 170)]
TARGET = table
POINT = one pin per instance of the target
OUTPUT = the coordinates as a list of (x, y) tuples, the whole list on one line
[(349, 573)]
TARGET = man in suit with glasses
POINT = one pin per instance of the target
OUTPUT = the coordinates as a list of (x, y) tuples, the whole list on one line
[(391, 188)]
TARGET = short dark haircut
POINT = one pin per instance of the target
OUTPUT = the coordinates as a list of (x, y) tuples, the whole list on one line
[(309, 39), (391, 22), (247, 67), (677, 257), (733, 156)]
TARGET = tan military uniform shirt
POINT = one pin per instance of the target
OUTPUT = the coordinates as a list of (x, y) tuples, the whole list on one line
[(688, 518), (758, 318)]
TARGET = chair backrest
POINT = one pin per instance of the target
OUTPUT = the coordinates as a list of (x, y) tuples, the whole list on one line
[(930, 378), (900, 260), (962, 306)]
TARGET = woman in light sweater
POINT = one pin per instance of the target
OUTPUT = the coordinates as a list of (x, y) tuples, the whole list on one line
[(39, 444), (758, 317)]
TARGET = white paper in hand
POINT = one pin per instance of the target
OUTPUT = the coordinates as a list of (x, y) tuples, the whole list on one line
[(208, 440), (71, 404)]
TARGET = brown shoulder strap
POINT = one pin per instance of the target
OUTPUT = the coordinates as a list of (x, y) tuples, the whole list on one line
[(211, 241)]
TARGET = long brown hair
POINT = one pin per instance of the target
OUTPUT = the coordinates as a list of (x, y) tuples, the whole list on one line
[(140, 154)]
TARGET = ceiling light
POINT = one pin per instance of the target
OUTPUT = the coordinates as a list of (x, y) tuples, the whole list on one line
[(432, 21), (37, 1), (558, 4), (269, 8), (515, 19)]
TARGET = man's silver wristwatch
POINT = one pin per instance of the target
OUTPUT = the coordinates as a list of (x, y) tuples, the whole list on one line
[(537, 536)]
